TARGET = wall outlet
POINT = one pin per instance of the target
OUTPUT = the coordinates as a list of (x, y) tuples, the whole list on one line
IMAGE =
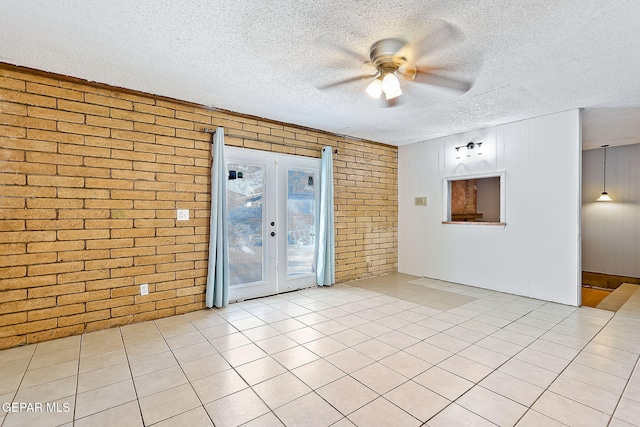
[(183, 215), (144, 289)]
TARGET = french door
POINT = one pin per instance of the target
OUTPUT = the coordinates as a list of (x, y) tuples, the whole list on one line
[(272, 210)]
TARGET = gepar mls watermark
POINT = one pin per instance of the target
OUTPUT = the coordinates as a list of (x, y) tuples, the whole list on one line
[(36, 407)]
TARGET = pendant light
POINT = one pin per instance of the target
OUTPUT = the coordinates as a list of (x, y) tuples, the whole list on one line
[(604, 197)]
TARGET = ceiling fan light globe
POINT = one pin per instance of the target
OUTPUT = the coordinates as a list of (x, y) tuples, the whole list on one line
[(390, 83), (374, 89), (393, 93)]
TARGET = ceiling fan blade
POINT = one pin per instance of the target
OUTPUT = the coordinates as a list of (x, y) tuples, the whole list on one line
[(440, 34), (345, 50), (437, 80), (345, 81)]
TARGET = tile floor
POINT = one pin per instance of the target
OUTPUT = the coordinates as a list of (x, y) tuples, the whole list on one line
[(391, 351)]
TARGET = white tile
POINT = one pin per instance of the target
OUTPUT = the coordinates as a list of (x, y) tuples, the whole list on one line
[(584, 393), (382, 413), (484, 356), (218, 385), (236, 409), (243, 354), (444, 383), (230, 341), (168, 403), (281, 390), (417, 400), (418, 331), (543, 360), (204, 367), (260, 333), (123, 415), (492, 406), (48, 391), (287, 325), (558, 350), (14, 367), (179, 341), (398, 339), (153, 363), (347, 394), (373, 329), (304, 335), (50, 373), (49, 346), (218, 331), (596, 378), (147, 349), (406, 364), (260, 370), (103, 398), (97, 347), (197, 417), (266, 420), (276, 344), (468, 335), (309, 410), (349, 360), (329, 327), (102, 360), (528, 372), (375, 349), (325, 346), (294, 357), (465, 368), (350, 337), (9, 384), (194, 352), (43, 360), (568, 411), (247, 323), (157, 381), (379, 378), (311, 318), (511, 387), (428, 352), (318, 373), (447, 342), (536, 419)]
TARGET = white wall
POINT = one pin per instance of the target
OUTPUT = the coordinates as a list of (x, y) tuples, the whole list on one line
[(537, 253), (611, 230)]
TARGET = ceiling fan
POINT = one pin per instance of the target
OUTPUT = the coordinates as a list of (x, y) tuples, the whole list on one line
[(394, 59)]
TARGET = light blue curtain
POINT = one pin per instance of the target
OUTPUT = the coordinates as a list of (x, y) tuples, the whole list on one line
[(218, 272), (326, 260)]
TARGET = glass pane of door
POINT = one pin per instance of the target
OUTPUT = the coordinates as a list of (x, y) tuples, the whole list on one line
[(301, 221), (245, 190)]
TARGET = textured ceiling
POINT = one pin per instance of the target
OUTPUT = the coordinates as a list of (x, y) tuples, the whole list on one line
[(268, 59)]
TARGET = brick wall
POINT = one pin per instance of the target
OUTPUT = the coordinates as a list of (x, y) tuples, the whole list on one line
[(90, 180)]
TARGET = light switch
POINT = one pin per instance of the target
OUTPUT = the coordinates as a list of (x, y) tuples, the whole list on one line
[(183, 215)]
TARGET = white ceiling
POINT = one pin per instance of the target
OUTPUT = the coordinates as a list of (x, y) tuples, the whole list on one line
[(526, 58)]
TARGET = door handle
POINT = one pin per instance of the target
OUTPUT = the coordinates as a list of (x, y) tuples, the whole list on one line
[(273, 233)]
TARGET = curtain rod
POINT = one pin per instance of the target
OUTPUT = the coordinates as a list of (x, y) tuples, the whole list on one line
[(213, 131)]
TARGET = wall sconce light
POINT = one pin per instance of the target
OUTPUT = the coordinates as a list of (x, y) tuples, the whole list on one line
[(604, 197), (470, 146)]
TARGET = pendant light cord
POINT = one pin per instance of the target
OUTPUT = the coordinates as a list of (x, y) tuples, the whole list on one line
[(604, 174)]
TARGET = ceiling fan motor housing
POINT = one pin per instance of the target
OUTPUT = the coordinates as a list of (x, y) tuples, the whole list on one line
[(383, 54)]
